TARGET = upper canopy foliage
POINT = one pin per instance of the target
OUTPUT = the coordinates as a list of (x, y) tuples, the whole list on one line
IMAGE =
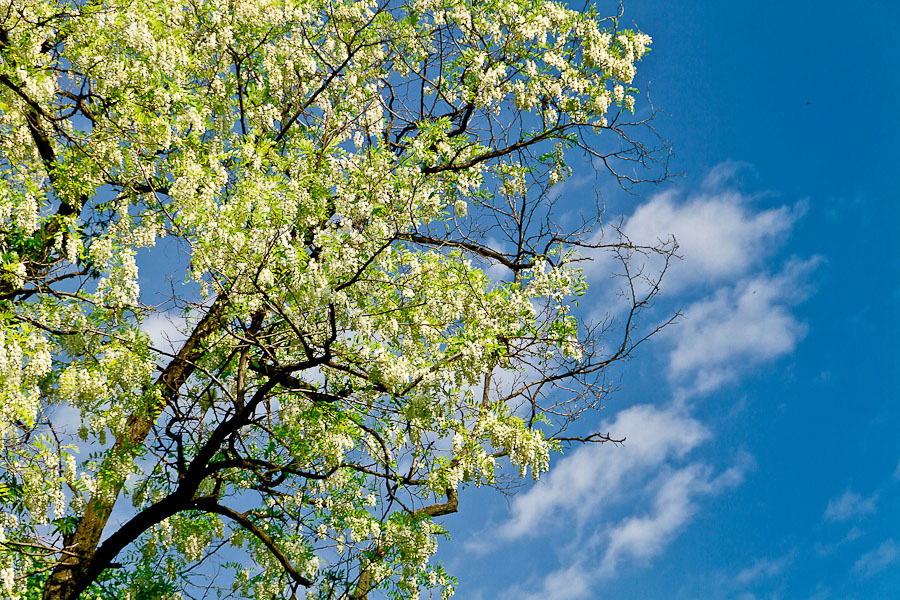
[(374, 297)]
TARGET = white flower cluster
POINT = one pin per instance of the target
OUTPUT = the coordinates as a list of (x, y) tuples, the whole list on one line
[(120, 287), (554, 281), (25, 360), (8, 579), (525, 447)]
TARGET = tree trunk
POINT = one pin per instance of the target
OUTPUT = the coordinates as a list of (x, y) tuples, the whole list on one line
[(66, 581)]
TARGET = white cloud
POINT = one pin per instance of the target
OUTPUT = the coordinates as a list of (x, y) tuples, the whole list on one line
[(640, 538), (165, 331), (645, 537), (740, 313), (659, 496), (764, 568), (850, 505), (738, 327), (720, 236), (723, 173), (879, 559), (737, 315), (593, 473), (826, 549), (572, 582)]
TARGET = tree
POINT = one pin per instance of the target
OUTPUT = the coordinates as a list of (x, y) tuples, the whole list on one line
[(376, 297)]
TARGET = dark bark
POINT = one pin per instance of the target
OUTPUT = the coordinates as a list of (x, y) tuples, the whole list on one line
[(73, 575)]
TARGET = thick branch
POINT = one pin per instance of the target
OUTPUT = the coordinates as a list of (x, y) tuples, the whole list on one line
[(439, 510), (210, 505), (451, 166), (67, 578), (366, 579)]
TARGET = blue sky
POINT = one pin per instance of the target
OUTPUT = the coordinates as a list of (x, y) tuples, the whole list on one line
[(763, 456)]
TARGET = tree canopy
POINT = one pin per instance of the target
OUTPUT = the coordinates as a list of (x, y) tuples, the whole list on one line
[(354, 202)]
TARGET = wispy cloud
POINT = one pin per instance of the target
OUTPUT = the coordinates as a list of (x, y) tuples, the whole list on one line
[(633, 539), (879, 559), (592, 474), (572, 582), (720, 234), (764, 568), (826, 549), (738, 307), (738, 327), (850, 505), (651, 479), (166, 331), (644, 537)]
